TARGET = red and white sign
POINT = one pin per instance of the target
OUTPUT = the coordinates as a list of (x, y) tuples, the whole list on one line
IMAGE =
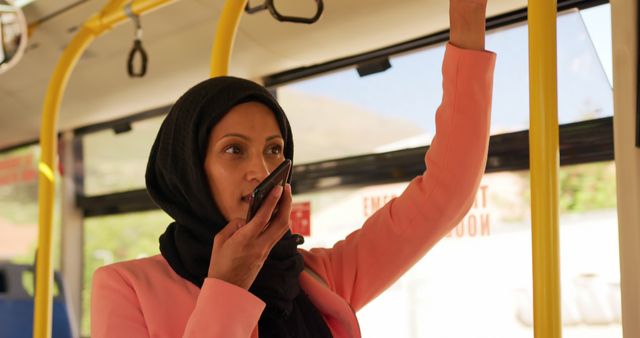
[(16, 169), (301, 218)]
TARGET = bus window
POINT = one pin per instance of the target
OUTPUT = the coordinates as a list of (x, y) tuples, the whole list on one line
[(597, 20), (19, 206), (477, 280), (116, 161), (404, 98)]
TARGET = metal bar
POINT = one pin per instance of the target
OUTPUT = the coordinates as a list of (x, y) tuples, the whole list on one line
[(544, 150), (580, 142), (625, 18), (637, 78), (72, 231), (18, 145), (46, 184), (225, 36), (111, 14), (40, 21), (141, 116)]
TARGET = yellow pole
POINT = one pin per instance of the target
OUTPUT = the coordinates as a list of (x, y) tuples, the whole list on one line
[(225, 35), (111, 14), (544, 159), (46, 183)]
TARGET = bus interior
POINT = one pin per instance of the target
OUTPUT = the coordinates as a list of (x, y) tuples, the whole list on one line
[(360, 86)]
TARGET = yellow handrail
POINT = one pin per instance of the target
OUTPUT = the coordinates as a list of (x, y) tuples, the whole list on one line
[(112, 14), (46, 183), (544, 159), (225, 36)]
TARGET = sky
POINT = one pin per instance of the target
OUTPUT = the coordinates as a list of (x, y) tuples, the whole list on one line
[(411, 89)]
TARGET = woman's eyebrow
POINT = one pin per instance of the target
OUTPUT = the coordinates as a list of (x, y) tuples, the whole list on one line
[(236, 135), (273, 137), (244, 137)]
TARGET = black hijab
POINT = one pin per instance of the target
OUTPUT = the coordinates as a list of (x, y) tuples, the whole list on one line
[(177, 183)]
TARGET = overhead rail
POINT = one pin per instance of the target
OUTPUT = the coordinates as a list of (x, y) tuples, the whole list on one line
[(544, 154), (112, 14)]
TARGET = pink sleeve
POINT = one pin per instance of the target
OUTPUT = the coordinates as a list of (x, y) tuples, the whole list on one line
[(234, 313), (222, 310), (115, 311), (392, 240)]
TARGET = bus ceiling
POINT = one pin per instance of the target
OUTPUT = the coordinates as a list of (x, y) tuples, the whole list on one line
[(178, 40)]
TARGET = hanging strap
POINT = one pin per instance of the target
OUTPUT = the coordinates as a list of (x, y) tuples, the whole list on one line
[(137, 48), (271, 7)]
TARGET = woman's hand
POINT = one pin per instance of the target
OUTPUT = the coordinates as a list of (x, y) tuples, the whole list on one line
[(239, 249), (467, 21)]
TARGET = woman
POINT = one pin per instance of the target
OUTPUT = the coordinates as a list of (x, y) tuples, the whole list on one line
[(218, 276)]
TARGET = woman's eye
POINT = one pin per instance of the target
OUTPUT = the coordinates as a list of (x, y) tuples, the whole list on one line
[(275, 150), (232, 149)]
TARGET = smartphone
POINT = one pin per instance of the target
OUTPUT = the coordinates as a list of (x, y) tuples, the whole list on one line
[(277, 177)]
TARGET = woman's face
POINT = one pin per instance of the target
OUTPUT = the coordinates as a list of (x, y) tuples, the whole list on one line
[(244, 147)]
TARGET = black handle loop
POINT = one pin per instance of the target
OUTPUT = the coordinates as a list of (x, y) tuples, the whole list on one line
[(251, 10), (269, 4), (139, 50)]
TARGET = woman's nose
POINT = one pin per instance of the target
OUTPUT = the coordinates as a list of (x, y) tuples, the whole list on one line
[(258, 169)]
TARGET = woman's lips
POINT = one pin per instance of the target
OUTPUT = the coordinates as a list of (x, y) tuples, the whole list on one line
[(246, 198)]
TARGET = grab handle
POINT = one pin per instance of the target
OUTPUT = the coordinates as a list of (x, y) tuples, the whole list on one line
[(269, 4)]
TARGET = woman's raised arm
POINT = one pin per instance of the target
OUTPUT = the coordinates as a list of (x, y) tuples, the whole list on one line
[(392, 240), (467, 22)]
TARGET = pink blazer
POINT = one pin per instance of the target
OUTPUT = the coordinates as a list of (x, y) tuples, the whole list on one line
[(146, 298)]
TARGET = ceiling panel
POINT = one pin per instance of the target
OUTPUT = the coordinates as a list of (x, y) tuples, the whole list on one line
[(178, 39)]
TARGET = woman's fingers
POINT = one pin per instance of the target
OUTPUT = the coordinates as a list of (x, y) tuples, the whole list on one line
[(237, 259), (228, 231), (467, 22), (221, 238), (280, 222), (262, 217), (266, 228)]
